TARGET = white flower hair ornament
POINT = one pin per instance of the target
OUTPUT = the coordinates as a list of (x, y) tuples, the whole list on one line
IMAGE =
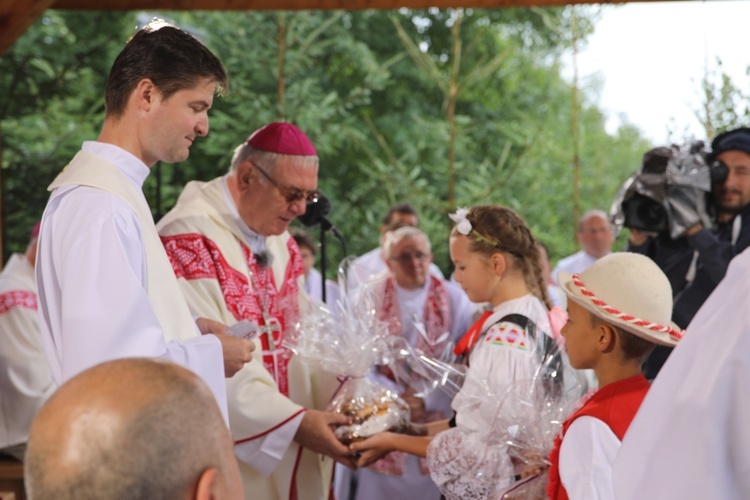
[(463, 226)]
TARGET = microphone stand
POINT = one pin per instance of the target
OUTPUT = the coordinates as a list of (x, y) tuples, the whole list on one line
[(325, 226), (323, 261)]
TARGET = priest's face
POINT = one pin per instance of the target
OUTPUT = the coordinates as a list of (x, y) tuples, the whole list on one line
[(172, 124), (409, 261), (269, 198)]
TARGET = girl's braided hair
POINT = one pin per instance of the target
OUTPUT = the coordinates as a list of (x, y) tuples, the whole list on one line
[(497, 228)]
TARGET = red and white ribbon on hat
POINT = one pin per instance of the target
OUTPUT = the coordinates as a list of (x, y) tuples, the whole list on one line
[(675, 334)]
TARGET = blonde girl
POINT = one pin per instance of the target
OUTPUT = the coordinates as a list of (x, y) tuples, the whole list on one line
[(496, 261)]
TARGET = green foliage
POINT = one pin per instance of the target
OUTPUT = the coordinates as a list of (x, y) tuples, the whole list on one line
[(387, 98), (725, 105), (51, 82)]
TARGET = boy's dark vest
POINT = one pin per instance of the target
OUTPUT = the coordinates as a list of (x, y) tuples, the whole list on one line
[(614, 404)]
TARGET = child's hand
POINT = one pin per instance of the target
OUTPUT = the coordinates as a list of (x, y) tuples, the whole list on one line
[(534, 471), (373, 448)]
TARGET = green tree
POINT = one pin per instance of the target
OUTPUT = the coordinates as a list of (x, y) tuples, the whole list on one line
[(51, 83), (401, 106), (724, 105)]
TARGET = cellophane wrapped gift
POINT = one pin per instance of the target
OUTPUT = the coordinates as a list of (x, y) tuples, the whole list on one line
[(505, 456), (371, 407), (348, 341), (421, 373)]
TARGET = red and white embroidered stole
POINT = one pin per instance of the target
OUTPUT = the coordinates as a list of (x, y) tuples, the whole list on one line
[(437, 321), (436, 317), (246, 294), (17, 298)]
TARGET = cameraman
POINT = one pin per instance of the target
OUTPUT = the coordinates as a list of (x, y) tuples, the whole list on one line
[(696, 262)]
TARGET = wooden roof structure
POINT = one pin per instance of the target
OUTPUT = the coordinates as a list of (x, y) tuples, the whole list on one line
[(16, 16)]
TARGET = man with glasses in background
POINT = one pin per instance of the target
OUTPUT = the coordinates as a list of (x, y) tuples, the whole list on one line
[(431, 314), (229, 246), (596, 236)]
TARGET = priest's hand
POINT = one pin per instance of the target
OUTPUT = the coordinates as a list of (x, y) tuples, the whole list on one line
[(206, 325), (236, 351), (315, 433)]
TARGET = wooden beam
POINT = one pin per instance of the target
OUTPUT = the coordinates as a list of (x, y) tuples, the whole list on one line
[(15, 18)]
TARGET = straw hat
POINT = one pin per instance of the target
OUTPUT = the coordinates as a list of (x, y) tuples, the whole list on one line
[(629, 291)]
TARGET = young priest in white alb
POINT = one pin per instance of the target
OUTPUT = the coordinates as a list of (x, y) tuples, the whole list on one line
[(106, 289)]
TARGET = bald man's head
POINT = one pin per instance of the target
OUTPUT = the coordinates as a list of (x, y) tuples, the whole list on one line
[(132, 428)]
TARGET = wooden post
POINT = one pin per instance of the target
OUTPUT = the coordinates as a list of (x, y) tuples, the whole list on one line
[(16, 17), (574, 130)]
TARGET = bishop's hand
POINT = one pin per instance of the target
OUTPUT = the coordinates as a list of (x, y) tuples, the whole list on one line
[(315, 434)]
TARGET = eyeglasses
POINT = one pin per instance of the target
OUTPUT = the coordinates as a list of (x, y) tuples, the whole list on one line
[(291, 195), (406, 258)]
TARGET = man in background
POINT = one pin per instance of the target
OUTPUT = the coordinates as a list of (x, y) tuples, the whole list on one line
[(697, 261), (131, 428), (25, 381), (313, 278), (596, 236), (373, 263)]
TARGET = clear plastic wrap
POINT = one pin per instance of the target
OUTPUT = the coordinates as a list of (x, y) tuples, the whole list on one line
[(506, 457), (371, 407), (423, 374), (348, 342)]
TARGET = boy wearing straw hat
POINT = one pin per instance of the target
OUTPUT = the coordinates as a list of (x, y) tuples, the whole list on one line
[(619, 309)]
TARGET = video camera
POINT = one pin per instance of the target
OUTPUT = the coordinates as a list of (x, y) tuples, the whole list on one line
[(670, 192)]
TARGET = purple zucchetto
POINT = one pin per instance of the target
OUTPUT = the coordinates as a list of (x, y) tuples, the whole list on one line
[(282, 138)]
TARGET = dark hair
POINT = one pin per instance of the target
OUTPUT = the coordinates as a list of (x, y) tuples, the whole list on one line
[(737, 139), (631, 345), (400, 208), (500, 229), (303, 239), (172, 59)]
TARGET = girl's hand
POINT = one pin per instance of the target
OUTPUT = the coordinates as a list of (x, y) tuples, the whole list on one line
[(373, 448)]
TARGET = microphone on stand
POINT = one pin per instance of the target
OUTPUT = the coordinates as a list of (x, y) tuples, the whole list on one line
[(317, 213)]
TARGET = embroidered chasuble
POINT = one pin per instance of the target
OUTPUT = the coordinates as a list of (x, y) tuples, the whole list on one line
[(252, 295), (221, 279), (71, 349), (25, 381)]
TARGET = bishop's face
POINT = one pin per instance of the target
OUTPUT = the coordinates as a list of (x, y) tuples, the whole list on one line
[(264, 193)]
